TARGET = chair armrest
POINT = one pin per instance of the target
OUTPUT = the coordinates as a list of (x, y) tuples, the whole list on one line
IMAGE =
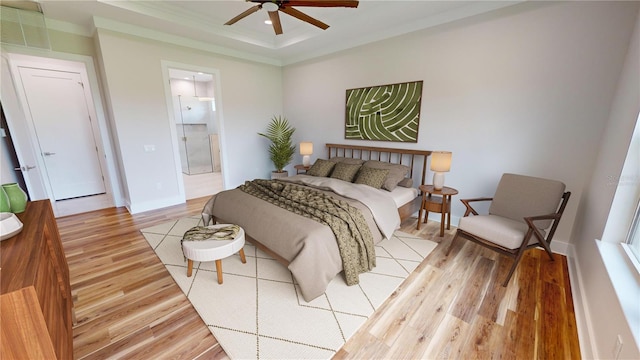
[(530, 219), (470, 209)]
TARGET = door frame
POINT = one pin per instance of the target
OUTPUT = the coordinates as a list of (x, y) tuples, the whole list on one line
[(20, 123), (166, 65)]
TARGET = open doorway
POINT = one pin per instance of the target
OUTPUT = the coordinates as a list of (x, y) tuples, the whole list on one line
[(196, 127)]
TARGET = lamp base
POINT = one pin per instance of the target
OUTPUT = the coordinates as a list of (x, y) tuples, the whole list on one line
[(305, 160), (438, 180)]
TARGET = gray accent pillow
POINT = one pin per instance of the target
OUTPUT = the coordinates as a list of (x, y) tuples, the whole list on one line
[(321, 168), (397, 172), (406, 182), (344, 171), (347, 160), (371, 176)]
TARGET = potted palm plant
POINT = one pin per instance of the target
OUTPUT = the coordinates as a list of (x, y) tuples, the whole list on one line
[(281, 150)]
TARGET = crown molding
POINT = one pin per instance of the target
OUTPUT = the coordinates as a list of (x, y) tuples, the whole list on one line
[(128, 29)]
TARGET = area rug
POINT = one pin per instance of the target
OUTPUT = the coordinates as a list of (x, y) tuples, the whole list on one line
[(259, 313)]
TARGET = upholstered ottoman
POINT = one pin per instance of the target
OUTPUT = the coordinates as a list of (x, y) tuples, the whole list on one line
[(213, 243)]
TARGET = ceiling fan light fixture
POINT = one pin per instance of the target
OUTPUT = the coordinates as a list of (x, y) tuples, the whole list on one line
[(268, 22)]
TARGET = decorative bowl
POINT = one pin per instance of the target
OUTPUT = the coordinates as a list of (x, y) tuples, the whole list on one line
[(10, 225)]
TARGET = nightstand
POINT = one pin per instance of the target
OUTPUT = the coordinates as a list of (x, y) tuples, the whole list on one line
[(299, 168), (440, 204)]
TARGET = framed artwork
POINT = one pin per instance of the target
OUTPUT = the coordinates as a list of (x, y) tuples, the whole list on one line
[(384, 113)]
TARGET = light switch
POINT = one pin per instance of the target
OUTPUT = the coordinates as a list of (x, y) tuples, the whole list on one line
[(149, 148)]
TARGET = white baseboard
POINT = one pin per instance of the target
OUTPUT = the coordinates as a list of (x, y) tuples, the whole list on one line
[(154, 205), (561, 247), (583, 321)]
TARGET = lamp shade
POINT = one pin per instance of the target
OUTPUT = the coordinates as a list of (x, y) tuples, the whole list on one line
[(306, 148), (441, 161)]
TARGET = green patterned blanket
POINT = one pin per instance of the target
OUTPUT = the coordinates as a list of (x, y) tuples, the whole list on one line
[(347, 223)]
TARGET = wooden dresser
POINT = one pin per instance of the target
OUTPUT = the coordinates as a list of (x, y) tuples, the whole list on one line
[(35, 295)]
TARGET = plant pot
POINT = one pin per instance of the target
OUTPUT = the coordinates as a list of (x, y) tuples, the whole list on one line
[(278, 175)]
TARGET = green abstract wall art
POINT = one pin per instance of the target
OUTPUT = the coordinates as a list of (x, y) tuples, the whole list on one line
[(385, 112)]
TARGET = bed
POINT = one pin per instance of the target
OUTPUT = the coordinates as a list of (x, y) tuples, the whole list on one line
[(313, 251)]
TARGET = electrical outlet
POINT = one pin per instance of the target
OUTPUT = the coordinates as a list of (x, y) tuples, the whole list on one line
[(618, 348)]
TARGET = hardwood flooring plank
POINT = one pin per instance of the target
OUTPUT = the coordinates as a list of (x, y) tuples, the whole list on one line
[(549, 270), (120, 282), (572, 329), (158, 339), (96, 306), (485, 340), (522, 329), (123, 269), (441, 295), (449, 341), (396, 314), (215, 352), (363, 346), (473, 291), (552, 324), (141, 338), (496, 302), (411, 343)]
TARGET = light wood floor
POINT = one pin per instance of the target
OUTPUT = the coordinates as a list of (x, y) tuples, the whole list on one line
[(127, 305)]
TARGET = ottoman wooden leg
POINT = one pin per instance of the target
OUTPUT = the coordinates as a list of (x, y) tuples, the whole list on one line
[(242, 257), (219, 270), (189, 267)]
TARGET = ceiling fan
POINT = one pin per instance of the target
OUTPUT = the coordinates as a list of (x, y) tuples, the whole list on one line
[(286, 6)]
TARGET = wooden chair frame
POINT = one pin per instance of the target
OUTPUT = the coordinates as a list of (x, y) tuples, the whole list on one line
[(517, 253)]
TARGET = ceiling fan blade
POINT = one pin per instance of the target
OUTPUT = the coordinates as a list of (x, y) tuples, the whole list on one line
[(304, 17), (275, 21), (244, 14), (321, 3)]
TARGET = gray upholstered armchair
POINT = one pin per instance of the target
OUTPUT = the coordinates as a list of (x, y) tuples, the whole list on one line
[(524, 214)]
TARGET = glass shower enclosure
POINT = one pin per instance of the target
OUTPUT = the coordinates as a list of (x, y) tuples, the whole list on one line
[(194, 141), (195, 123)]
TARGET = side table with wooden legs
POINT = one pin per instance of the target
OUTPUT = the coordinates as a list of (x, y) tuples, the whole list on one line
[(441, 203), (301, 169)]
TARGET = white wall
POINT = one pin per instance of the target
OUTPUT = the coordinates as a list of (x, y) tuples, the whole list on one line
[(251, 95), (608, 288), (526, 89)]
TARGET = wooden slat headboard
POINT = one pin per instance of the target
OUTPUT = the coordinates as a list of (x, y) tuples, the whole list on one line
[(406, 157)]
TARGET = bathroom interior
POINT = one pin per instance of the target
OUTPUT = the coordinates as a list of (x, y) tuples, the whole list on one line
[(196, 124)]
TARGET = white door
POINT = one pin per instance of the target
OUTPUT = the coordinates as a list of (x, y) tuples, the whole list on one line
[(65, 137)]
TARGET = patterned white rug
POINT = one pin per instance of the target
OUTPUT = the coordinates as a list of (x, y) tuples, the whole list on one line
[(258, 311)]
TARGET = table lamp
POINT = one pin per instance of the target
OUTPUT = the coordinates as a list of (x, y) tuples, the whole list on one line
[(440, 164), (306, 149)]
